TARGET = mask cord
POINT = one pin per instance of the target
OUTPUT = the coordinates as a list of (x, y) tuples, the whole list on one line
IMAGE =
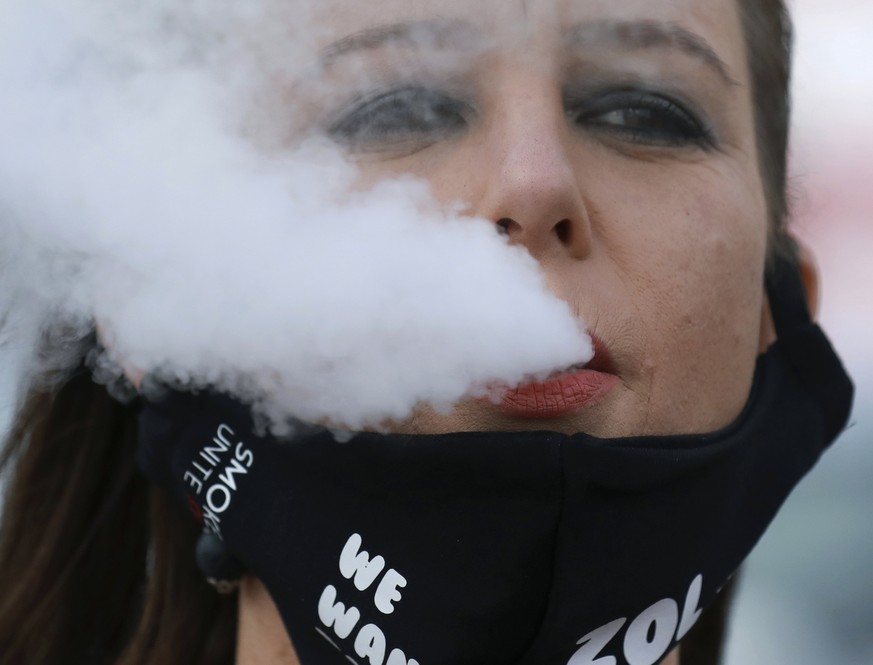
[(787, 296)]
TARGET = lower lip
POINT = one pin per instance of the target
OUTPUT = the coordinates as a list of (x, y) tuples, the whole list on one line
[(558, 395)]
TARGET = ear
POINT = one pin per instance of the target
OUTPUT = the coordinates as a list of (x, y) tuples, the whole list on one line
[(810, 276)]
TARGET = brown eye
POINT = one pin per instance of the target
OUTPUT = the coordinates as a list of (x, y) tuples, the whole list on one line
[(412, 114)]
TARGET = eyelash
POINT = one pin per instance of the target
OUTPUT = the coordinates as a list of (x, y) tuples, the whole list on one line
[(399, 116), (417, 116), (669, 123)]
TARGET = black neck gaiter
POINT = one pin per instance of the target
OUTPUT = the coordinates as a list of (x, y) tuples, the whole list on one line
[(502, 548)]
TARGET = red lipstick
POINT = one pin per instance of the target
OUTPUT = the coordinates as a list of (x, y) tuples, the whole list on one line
[(573, 388)]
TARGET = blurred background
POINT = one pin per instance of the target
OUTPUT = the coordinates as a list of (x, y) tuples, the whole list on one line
[(806, 595)]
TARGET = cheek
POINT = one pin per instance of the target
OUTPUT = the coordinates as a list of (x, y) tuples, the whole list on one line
[(695, 273)]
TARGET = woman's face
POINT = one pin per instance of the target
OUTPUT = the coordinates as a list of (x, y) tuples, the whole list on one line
[(614, 139)]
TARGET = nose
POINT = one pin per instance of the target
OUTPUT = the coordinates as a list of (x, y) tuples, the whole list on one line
[(533, 189)]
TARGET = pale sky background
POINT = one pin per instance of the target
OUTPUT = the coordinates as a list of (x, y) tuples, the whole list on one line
[(807, 594)]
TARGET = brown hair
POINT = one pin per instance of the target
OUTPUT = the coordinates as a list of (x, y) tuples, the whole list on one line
[(97, 567), (769, 41)]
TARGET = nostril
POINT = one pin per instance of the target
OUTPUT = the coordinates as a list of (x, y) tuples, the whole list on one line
[(503, 226), (562, 230)]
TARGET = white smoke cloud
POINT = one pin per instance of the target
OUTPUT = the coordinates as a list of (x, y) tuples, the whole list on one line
[(130, 194)]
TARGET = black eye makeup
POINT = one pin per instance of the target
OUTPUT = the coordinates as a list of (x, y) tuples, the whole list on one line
[(640, 116), (409, 116)]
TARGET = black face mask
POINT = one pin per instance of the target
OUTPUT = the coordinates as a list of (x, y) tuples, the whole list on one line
[(493, 548)]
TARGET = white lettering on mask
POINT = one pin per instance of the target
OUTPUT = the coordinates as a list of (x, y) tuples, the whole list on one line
[(370, 642), (660, 621), (388, 591), (648, 637), (334, 614), (355, 563), (219, 495), (594, 642)]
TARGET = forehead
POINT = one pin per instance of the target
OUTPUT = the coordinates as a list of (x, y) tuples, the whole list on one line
[(515, 23)]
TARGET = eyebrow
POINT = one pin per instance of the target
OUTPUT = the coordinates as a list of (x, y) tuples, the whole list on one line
[(650, 34), (444, 32), (437, 32)]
